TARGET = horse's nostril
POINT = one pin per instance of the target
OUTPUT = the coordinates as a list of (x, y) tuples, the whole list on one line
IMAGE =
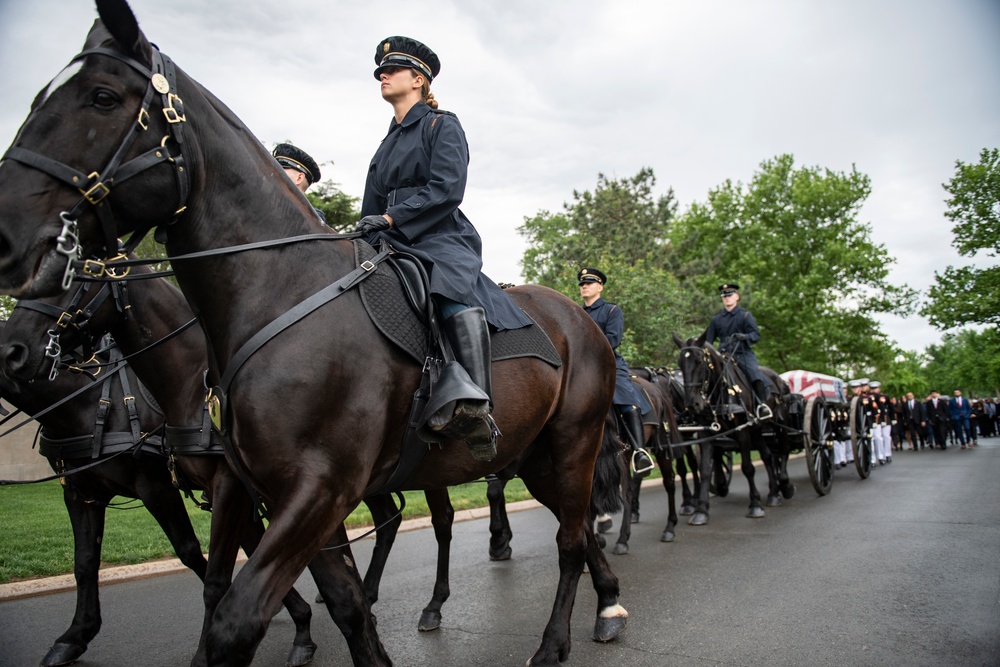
[(15, 356)]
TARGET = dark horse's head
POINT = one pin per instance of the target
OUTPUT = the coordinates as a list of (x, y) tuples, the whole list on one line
[(699, 366), (99, 154)]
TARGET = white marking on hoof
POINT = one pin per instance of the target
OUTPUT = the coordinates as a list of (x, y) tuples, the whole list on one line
[(616, 611)]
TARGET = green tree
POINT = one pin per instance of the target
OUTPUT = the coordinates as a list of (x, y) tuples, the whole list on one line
[(809, 270), (969, 295), (341, 210), (622, 228), (968, 360)]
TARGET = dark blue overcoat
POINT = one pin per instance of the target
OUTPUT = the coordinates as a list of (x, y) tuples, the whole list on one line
[(738, 320), (609, 317), (418, 177)]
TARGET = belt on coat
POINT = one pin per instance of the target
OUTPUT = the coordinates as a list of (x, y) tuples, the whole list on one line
[(400, 195)]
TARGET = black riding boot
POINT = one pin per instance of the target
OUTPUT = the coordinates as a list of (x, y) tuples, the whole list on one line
[(641, 460), (763, 409), (470, 340)]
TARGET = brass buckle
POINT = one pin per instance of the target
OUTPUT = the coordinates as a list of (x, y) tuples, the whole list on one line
[(97, 191), (143, 119), (112, 271), (172, 115), (93, 268), (126, 400), (367, 265), (64, 320)]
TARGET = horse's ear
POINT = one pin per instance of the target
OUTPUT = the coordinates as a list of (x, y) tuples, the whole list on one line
[(701, 339), (118, 18), (677, 340)]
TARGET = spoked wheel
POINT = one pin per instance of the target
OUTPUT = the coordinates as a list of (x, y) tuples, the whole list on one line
[(861, 439), (817, 437)]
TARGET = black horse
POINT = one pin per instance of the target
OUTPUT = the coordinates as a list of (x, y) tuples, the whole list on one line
[(720, 398), (670, 385), (148, 323), (93, 439), (173, 156)]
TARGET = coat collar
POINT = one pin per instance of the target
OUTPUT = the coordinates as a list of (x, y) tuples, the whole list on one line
[(416, 112)]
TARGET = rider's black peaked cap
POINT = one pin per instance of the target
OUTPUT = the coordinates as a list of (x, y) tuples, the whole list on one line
[(406, 52)]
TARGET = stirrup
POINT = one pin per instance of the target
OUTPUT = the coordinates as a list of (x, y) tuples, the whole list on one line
[(637, 470), (764, 411), (483, 447)]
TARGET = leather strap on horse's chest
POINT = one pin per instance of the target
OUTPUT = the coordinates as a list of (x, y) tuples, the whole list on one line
[(276, 326), (290, 317)]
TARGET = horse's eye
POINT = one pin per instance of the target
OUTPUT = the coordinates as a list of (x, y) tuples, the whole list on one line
[(105, 100)]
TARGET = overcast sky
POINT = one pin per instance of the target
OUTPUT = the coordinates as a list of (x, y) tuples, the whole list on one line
[(553, 92)]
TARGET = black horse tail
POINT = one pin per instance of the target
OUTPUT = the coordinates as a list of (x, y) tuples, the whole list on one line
[(611, 473)]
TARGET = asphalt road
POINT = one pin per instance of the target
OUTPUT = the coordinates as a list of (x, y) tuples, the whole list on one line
[(899, 569)]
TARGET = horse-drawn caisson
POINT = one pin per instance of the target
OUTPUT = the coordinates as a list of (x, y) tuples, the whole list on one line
[(825, 424)]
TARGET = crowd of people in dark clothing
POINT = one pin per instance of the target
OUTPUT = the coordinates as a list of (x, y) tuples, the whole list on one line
[(938, 422)]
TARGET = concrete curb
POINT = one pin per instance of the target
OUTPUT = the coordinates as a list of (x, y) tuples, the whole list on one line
[(158, 568)]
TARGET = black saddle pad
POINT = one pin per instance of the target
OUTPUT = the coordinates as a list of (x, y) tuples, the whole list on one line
[(390, 310)]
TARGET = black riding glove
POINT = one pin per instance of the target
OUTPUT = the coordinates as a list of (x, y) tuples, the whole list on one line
[(371, 223), (739, 336)]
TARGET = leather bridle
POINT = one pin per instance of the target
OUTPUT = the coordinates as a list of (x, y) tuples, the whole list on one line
[(97, 185)]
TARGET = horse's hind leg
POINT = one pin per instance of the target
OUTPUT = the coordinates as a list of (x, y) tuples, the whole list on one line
[(387, 519), (500, 532), (630, 494), (87, 520), (442, 517), (667, 468)]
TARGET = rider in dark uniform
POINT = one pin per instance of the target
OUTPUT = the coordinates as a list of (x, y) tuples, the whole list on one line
[(737, 330), (630, 403), (300, 167), (415, 184)]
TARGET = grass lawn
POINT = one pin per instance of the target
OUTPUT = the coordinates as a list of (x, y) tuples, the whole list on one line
[(37, 539)]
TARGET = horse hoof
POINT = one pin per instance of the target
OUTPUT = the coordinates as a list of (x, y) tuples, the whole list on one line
[(788, 490), (620, 549), (319, 598), (699, 519), (722, 491), (601, 542), (756, 513), (62, 654), (774, 501), (608, 627), (686, 510), (604, 526), (500, 554), (429, 620), (667, 536), (301, 655)]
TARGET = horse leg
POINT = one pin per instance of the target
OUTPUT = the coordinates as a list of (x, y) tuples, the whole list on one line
[(234, 527), (87, 520), (303, 647), (232, 510), (387, 519), (577, 544), (687, 501), (500, 533), (700, 516), (630, 491), (442, 517), (298, 529), (746, 465), (667, 468), (346, 599)]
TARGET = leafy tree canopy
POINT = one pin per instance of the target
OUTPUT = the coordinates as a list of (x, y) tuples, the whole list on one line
[(621, 227), (969, 295), (809, 270)]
